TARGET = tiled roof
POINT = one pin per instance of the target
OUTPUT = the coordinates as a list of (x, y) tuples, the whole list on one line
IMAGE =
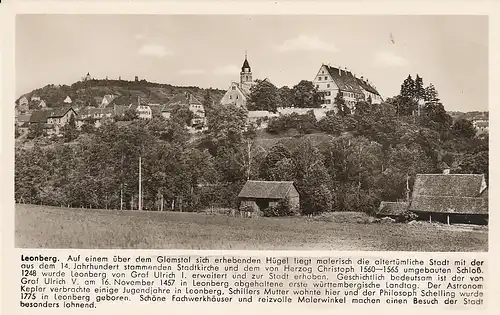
[(392, 208), (459, 185), (451, 193), (39, 116), (24, 118), (450, 204), (265, 189), (59, 112), (345, 80), (365, 85)]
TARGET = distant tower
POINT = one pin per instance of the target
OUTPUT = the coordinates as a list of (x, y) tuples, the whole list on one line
[(246, 72), (87, 77), (136, 79)]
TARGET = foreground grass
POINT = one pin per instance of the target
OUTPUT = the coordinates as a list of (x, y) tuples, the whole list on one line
[(52, 227)]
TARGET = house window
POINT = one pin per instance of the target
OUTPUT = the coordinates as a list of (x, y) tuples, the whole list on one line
[(247, 78), (234, 88), (326, 78), (236, 96), (317, 86), (328, 85), (322, 72), (230, 97), (319, 78), (328, 101)]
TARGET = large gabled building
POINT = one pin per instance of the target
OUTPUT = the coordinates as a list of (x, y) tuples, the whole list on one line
[(330, 81)]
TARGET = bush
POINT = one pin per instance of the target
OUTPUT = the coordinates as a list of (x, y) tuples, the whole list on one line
[(281, 209), (407, 216)]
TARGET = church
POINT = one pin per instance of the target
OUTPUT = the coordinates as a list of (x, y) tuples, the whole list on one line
[(238, 93)]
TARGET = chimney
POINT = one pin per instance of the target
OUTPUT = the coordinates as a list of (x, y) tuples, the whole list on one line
[(446, 171)]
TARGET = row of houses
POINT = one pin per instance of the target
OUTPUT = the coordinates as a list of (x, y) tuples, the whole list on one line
[(54, 119), (450, 198)]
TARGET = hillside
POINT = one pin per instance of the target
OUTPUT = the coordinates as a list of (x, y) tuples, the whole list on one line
[(89, 93)]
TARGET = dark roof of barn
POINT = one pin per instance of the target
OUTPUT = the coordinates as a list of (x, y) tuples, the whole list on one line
[(392, 208), (458, 185), (345, 80), (266, 189), (450, 204)]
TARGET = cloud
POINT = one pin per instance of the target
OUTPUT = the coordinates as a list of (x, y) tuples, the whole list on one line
[(389, 59), (154, 50), (191, 71), (227, 70), (306, 42)]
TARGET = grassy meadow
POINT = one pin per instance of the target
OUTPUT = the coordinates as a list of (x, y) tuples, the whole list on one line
[(52, 227)]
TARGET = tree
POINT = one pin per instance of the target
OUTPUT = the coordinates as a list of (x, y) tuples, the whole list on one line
[(286, 96), (226, 124), (464, 128), (35, 131), (208, 100), (264, 96), (130, 114), (431, 95), (342, 108), (408, 88), (70, 132), (419, 91), (306, 95)]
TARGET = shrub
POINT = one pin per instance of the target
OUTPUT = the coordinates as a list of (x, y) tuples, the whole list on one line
[(407, 216), (281, 209)]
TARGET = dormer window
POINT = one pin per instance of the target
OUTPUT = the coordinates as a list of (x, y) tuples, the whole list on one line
[(234, 88)]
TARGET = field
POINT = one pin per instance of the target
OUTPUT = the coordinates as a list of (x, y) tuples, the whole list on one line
[(52, 227)]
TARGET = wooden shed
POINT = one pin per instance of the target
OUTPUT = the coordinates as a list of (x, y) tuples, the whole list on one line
[(260, 195), (451, 198)]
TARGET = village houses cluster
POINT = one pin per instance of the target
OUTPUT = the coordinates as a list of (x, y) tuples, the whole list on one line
[(329, 80)]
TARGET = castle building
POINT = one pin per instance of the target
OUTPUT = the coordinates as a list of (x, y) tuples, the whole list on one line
[(238, 93), (331, 80)]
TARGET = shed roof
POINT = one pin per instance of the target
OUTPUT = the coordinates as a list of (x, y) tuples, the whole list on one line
[(458, 185), (392, 208), (266, 189), (450, 204)]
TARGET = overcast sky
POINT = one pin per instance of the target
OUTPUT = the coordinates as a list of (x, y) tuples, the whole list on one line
[(208, 50)]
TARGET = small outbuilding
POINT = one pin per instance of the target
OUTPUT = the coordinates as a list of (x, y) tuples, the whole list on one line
[(392, 209), (459, 198), (259, 195)]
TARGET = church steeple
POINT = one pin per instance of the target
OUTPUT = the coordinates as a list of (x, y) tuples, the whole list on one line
[(246, 72)]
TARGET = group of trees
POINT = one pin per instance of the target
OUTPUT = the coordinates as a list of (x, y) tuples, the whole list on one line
[(370, 155), (266, 96)]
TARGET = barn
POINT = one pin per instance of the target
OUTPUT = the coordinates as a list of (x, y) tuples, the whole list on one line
[(259, 195), (451, 198)]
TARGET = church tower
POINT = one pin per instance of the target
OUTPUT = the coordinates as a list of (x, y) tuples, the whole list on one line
[(246, 73)]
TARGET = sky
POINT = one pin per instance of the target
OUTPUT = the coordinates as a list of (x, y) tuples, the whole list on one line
[(450, 52)]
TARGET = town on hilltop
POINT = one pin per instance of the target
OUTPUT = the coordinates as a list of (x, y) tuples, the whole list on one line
[(331, 144)]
